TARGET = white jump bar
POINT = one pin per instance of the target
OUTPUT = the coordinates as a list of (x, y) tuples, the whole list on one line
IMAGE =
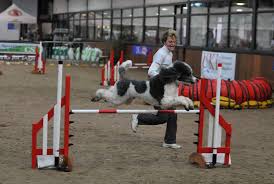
[(129, 111)]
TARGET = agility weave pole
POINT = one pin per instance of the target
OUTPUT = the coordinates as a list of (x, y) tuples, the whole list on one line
[(205, 157)]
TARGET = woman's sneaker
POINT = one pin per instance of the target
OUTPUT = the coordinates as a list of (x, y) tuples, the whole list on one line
[(134, 123), (173, 146)]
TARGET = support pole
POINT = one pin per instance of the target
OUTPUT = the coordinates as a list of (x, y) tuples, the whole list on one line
[(57, 122), (217, 127)]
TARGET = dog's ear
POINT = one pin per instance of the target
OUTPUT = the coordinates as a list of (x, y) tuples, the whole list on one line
[(168, 75)]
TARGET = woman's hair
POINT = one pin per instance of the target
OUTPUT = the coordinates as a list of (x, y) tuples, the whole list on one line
[(168, 33)]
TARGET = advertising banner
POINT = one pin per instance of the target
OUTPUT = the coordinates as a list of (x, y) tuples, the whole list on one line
[(210, 61), (18, 48), (140, 50), (16, 58)]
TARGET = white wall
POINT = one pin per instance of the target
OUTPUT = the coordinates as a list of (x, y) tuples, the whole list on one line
[(77, 5), (9, 34), (59, 6), (98, 4)]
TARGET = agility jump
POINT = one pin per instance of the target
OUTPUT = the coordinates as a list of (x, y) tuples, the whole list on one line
[(58, 157), (39, 64)]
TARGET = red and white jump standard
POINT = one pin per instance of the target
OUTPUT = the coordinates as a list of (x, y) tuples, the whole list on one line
[(212, 154)]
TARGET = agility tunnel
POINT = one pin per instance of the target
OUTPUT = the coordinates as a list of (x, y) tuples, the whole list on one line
[(235, 94)]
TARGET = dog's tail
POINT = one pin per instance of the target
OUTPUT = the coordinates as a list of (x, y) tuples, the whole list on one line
[(123, 68)]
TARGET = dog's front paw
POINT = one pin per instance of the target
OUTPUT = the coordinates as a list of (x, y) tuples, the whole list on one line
[(190, 103)]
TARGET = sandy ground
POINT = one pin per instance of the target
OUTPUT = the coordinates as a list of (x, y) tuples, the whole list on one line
[(106, 151)]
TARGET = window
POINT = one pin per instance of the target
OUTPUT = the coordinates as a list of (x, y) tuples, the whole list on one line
[(151, 30), (126, 29), (137, 29), (265, 31), (152, 11), (241, 6), (127, 13), (219, 7), (71, 25), (265, 5), (181, 21), (217, 34), (181, 30), (116, 13), (167, 10), (76, 27), (106, 25), (199, 8), (116, 29), (91, 25), (138, 12), (83, 25), (98, 25), (165, 24), (198, 30), (241, 31)]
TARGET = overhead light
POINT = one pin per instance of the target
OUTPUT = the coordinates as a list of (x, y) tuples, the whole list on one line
[(164, 9), (185, 8), (197, 4), (239, 10), (240, 4)]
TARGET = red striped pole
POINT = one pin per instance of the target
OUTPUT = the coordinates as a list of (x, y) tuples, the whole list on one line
[(112, 67)]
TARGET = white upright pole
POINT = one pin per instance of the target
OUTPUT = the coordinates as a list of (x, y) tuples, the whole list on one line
[(57, 114), (105, 82), (117, 71), (108, 71), (45, 134), (40, 63), (217, 128), (210, 130)]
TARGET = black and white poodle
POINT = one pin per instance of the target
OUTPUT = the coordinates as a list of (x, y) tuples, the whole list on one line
[(160, 91)]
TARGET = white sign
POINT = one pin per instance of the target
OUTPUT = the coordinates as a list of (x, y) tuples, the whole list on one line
[(210, 61)]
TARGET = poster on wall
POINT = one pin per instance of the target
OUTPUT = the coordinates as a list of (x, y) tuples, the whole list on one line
[(140, 50), (210, 61)]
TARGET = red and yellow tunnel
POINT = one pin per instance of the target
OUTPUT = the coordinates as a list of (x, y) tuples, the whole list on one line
[(255, 93)]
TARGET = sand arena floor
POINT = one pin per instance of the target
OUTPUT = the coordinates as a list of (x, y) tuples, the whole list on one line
[(105, 149)]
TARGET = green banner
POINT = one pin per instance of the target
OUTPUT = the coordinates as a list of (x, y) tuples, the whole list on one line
[(18, 48)]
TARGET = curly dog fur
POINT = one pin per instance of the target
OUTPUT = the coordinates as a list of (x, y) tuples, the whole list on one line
[(160, 90)]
